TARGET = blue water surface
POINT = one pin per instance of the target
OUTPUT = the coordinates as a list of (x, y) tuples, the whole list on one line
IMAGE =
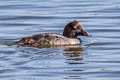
[(97, 58)]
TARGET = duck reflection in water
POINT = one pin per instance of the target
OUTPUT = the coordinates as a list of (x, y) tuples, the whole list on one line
[(74, 55)]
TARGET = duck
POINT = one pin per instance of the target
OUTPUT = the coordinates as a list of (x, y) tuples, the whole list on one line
[(69, 37)]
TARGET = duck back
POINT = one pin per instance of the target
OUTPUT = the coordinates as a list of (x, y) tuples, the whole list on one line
[(47, 39)]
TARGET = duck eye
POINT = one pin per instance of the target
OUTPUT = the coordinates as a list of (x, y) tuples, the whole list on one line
[(75, 27)]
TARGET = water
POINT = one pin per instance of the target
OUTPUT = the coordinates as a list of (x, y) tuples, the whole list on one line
[(97, 58)]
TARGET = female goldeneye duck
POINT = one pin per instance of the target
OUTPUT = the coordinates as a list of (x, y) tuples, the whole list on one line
[(69, 37)]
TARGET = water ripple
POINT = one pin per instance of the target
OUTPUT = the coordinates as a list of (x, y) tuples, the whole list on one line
[(97, 58)]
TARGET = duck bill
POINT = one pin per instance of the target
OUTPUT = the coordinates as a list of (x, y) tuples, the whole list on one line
[(85, 33)]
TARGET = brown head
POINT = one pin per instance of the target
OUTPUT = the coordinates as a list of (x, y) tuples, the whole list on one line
[(73, 29)]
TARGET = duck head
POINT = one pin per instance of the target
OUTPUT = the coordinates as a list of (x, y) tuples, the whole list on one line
[(74, 29)]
